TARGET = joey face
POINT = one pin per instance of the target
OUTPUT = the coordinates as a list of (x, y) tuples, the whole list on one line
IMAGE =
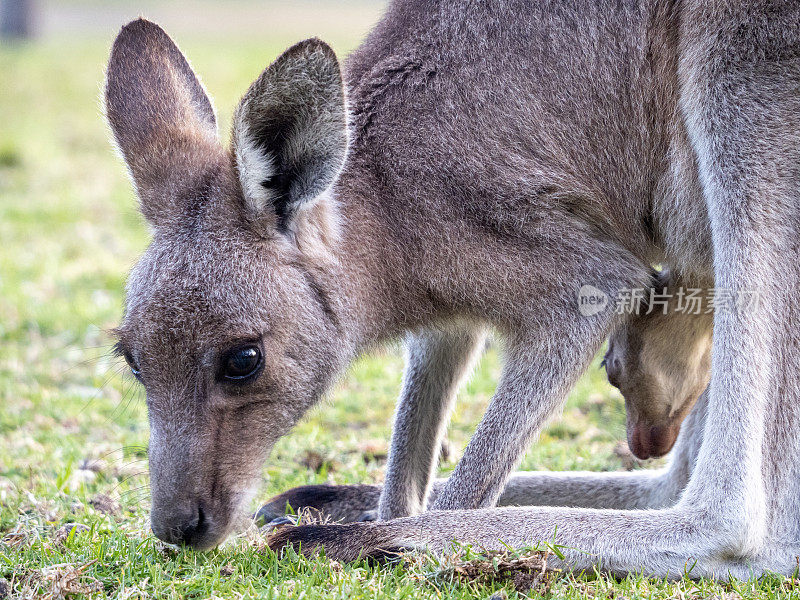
[(662, 364), (231, 318)]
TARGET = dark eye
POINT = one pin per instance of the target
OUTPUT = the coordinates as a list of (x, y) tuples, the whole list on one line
[(612, 369), (241, 363), (133, 366)]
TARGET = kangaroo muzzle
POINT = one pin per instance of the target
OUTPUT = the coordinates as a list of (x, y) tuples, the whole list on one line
[(652, 441), (186, 524)]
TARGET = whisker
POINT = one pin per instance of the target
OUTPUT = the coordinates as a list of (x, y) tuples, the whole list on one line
[(112, 371), (131, 393), (128, 478), (128, 494), (134, 448)]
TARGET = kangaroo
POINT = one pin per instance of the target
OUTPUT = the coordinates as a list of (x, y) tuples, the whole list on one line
[(489, 160), (659, 358)]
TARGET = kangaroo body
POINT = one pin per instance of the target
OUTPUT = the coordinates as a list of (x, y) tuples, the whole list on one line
[(501, 156), (658, 358)]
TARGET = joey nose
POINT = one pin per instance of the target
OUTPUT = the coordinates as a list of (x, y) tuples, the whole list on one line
[(638, 442), (189, 526), (652, 441)]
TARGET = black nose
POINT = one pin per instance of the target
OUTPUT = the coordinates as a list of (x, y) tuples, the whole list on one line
[(190, 527)]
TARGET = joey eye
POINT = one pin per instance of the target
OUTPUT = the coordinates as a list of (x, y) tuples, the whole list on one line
[(613, 369), (132, 365), (241, 363)]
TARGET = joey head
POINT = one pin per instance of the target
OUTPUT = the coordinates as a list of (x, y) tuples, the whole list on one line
[(660, 359)]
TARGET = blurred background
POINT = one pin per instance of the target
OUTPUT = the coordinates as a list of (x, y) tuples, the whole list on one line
[(73, 425), (279, 22)]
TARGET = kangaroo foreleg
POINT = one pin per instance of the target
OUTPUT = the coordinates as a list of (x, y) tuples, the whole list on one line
[(624, 490), (437, 362), (668, 542), (352, 503)]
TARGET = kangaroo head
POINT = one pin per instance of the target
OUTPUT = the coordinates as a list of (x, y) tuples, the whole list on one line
[(661, 362), (227, 324)]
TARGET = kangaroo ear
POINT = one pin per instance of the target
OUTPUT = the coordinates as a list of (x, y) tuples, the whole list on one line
[(290, 132), (661, 279), (162, 119)]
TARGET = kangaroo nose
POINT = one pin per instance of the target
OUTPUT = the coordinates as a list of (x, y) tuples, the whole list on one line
[(188, 527), (652, 441)]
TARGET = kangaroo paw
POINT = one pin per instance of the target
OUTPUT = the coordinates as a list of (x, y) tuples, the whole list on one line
[(343, 503), (341, 542)]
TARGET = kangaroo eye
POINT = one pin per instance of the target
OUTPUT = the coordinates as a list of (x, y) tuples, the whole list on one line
[(612, 366), (241, 363), (133, 366)]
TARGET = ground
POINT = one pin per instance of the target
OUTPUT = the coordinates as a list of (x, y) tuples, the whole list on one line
[(73, 426)]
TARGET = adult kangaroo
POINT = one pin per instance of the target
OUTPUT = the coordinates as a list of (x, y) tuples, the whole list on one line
[(491, 159)]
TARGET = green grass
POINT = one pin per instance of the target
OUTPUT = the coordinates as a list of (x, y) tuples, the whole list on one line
[(73, 428)]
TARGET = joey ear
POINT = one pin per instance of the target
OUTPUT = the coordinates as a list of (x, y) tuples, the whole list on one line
[(161, 117), (290, 132), (661, 279)]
